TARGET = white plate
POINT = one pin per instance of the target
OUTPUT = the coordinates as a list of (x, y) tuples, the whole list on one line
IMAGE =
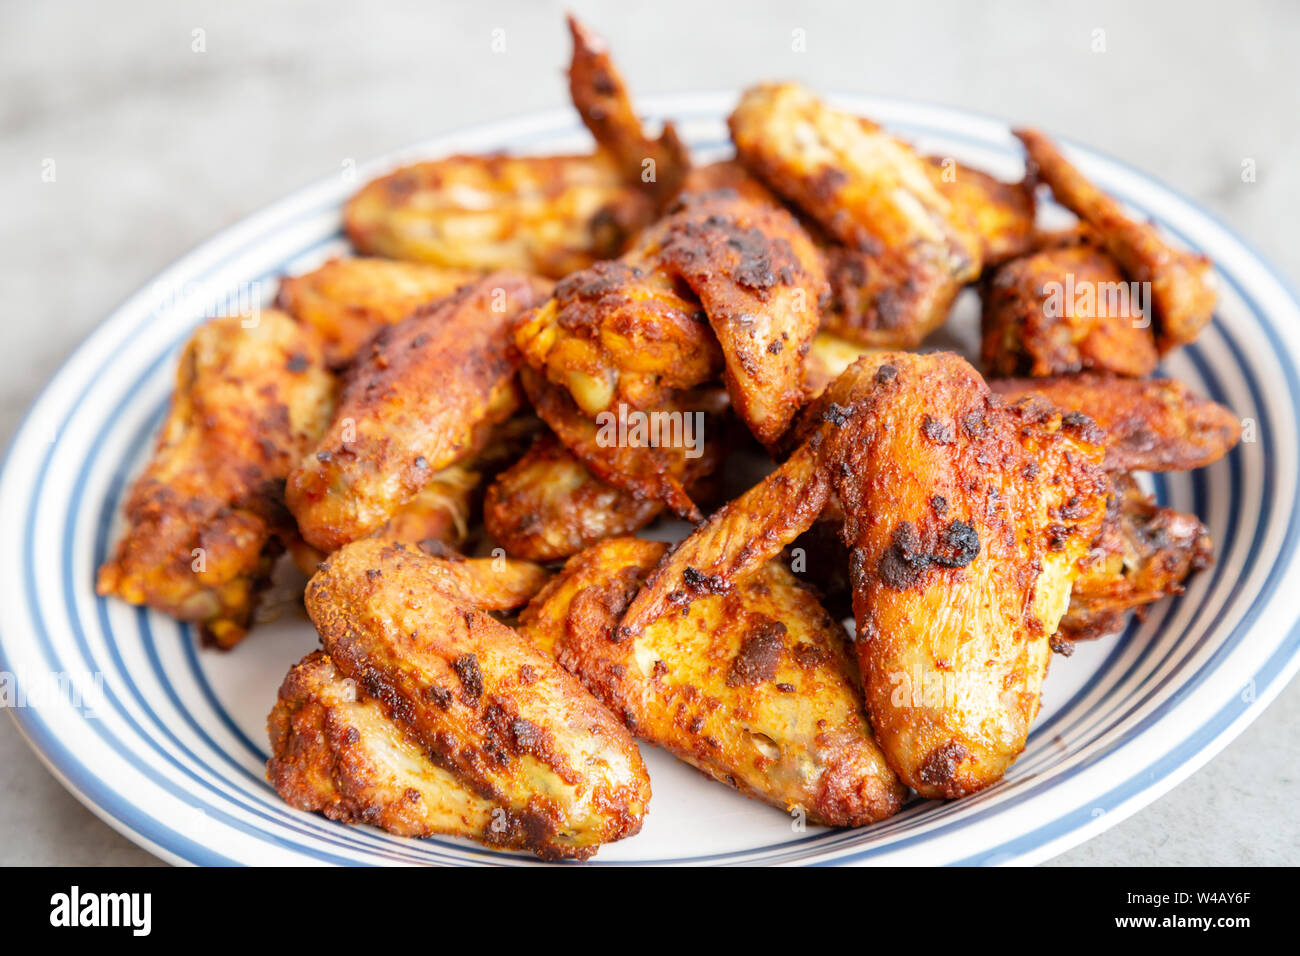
[(168, 743)]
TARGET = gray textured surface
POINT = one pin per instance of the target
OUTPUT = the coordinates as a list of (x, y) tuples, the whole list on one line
[(157, 147)]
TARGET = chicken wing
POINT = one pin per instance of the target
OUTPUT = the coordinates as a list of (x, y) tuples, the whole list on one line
[(1064, 309), (548, 215), (904, 251), (754, 687), (426, 396), (1144, 553), (1152, 425), (1182, 292), (965, 517), (548, 506), (203, 518), (347, 300), (471, 697)]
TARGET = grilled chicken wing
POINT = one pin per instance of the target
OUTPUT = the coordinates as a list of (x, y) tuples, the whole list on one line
[(1144, 553), (548, 506), (1181, 288), (347, 300), (203, 518), (1064, 309), (760, 281), (754, 687), (904, 249), (505, 746), (1152, 425), (426, 396), (549, 215), (965, 517)]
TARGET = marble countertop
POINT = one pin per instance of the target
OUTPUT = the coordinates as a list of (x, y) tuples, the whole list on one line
[(170, 121)]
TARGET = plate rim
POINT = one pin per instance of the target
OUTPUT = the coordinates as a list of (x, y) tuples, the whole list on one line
[(657, 107)]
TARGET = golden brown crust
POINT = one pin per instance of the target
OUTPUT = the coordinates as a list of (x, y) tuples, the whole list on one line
[(480, 701), (1144, 553), (602, 100), (203, 517), (736, 540), (1062, 310), (903, 251), (548, 506), (1181, 288), (426, 396), (347, 300), (754, 687), (1152, 425), (336, 752), (1000, 214)]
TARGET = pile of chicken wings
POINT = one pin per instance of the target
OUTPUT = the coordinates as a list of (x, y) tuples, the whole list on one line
[(425, 430)]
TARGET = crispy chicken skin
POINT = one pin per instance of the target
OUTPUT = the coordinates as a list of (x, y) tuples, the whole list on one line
[(1033, 326), (1000, 214), (203, 518), (721, 285), (347, 300), (903, 249), (549, 215), (548, 506), (965, 518), (602, 100), (660, 472), (1181, 288), (1144, 553), (337, 752), (479, 701), (1157, 424), (426, 396), (755, 687)]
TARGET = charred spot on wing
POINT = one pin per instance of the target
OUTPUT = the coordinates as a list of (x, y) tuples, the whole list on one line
[(904, 561), (941, 433), (698, 583), (886, 373), (760, 653), (837, 415), (961, 543), (471, 677), (941, 766), (909, 556)]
